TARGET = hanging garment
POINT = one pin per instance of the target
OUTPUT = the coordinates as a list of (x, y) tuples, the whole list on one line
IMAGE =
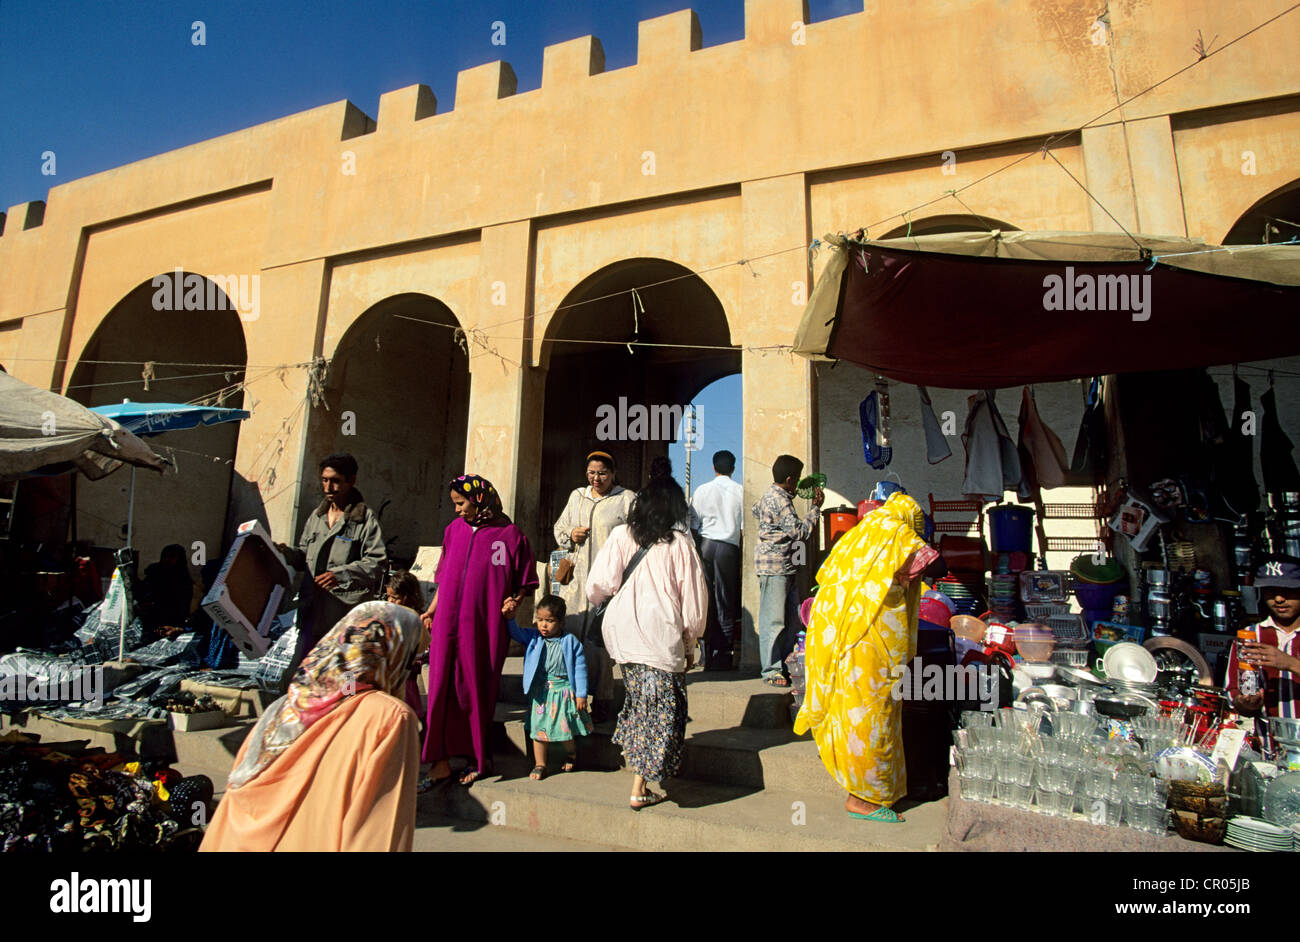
[(936, 443), (1280, 473), (1090, 446), (1042, 456), (1245, 497), (877, 453), (992, 465)]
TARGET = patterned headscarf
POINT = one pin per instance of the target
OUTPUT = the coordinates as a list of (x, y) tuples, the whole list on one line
[(369, 649), (852, 585), (479, 492)]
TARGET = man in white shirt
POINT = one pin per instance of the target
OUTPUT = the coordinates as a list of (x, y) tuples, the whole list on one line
[(718, 506)]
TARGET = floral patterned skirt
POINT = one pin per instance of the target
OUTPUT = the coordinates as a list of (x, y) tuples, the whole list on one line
[(553, 714), (652, 724)]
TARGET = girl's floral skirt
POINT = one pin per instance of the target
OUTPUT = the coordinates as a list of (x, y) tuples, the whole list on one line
[(553, 714)]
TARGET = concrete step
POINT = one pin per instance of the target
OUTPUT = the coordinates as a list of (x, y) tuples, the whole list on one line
[(698, 816), (719, 698), (752, 758), (209, 752)]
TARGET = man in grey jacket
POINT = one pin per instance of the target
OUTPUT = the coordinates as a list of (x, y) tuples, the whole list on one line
[(341, 548)]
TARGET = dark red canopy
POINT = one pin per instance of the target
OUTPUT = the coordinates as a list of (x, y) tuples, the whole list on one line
[(989, 310)]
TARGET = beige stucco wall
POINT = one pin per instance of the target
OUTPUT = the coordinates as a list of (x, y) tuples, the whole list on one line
[(699, 156)]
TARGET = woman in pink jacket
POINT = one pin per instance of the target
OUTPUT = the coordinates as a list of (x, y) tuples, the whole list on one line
[(651, 626)]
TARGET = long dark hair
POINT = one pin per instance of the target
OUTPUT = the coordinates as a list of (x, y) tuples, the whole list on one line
[(658, 507)]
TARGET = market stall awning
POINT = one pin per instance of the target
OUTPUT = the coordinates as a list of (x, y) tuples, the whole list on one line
[(983, 310), (155, 418), (42, 432)]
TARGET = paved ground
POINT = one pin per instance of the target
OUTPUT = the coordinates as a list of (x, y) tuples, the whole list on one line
[(448, 834)]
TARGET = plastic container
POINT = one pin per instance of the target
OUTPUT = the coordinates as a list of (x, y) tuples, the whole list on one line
[(866, 506), (839, 521), (1035, 643), (968, 627), (1098, 596), (1011, 528)]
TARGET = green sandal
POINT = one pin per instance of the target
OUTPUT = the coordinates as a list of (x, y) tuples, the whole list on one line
[(887, 815)]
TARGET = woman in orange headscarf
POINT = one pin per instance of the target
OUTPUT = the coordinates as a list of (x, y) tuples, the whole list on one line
[(861, 635), (332, 764)]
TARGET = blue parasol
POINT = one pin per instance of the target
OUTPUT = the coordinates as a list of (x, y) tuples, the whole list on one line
[(154, 418)]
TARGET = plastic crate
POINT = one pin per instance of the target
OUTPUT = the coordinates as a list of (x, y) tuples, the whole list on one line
[(1045, 610), (1072, 657), (1069, 629)]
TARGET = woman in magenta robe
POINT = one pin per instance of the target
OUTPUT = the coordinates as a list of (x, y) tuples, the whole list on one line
[(485, 569)]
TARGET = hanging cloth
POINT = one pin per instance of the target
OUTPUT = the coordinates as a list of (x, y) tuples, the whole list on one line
[(874, 449), (936, 443), (1280, 473), (992, 465), (1245, 496), (1090, 446), (1042, 456)]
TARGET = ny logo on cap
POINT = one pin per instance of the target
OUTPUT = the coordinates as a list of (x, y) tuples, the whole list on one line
[(1272, 569)]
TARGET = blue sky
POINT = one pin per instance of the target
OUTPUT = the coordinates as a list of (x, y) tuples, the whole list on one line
[(102, 84)]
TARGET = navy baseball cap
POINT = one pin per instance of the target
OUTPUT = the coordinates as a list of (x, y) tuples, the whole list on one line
[(1281, 572)]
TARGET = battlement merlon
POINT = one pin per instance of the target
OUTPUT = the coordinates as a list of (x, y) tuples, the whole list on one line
[(491, 81), (666, 39), (23, 216), (567, 62), (772, 21), (404, 105)]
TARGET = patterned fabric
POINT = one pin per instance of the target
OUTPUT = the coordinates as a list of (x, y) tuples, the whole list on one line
[(779, 528), (370, 649), (553, 714), (480, 492), (652, 724), (861, 634)]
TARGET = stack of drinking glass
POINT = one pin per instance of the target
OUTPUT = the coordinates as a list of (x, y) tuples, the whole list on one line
[(1058, 766)]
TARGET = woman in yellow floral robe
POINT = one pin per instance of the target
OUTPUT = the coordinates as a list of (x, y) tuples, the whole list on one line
[(861, 635)]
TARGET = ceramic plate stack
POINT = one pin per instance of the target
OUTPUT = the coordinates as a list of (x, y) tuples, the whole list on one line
[(1136, 688), (1256, 834)]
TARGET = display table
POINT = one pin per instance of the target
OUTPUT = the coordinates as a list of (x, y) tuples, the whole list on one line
[(974, 825)]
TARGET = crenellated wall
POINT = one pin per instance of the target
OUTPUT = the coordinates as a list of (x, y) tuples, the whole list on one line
[(502, 209)]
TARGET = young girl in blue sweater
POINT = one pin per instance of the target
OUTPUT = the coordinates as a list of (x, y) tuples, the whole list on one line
[(555, 677)]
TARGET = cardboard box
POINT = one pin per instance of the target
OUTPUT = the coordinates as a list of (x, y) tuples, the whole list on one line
[(193, 722), (246, 595)]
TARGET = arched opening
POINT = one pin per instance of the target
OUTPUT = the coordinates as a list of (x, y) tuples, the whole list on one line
[(940, 225), (193, 345), (719, 426), (595, 385), (397, 399), (1275, 218)]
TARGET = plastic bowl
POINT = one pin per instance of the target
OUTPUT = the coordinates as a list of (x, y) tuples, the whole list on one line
[(1035, 650), (968, 627)]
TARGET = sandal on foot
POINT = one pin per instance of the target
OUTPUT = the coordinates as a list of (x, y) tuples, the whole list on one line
[(570, 764), (637, 802), (470, 776), (887, 815), (428, 783), (776, 681), (538, 773)]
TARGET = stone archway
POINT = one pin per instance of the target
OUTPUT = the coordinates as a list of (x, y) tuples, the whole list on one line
[(1275, 218), (397, 399), (592, 376), (195, 346), (939, 225)]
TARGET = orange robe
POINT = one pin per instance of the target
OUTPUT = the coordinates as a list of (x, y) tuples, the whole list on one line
[(347, 783)]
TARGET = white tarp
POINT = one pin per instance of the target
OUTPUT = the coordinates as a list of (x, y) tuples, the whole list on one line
[(39, 428)]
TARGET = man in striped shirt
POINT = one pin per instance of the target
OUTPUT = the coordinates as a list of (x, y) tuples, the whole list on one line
[(1276, 650)]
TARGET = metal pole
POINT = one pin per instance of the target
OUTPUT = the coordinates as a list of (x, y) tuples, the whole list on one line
[(130, 511)]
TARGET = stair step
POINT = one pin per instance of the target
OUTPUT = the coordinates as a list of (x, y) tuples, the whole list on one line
[(752, 758), (698, 816), (722, 698)]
